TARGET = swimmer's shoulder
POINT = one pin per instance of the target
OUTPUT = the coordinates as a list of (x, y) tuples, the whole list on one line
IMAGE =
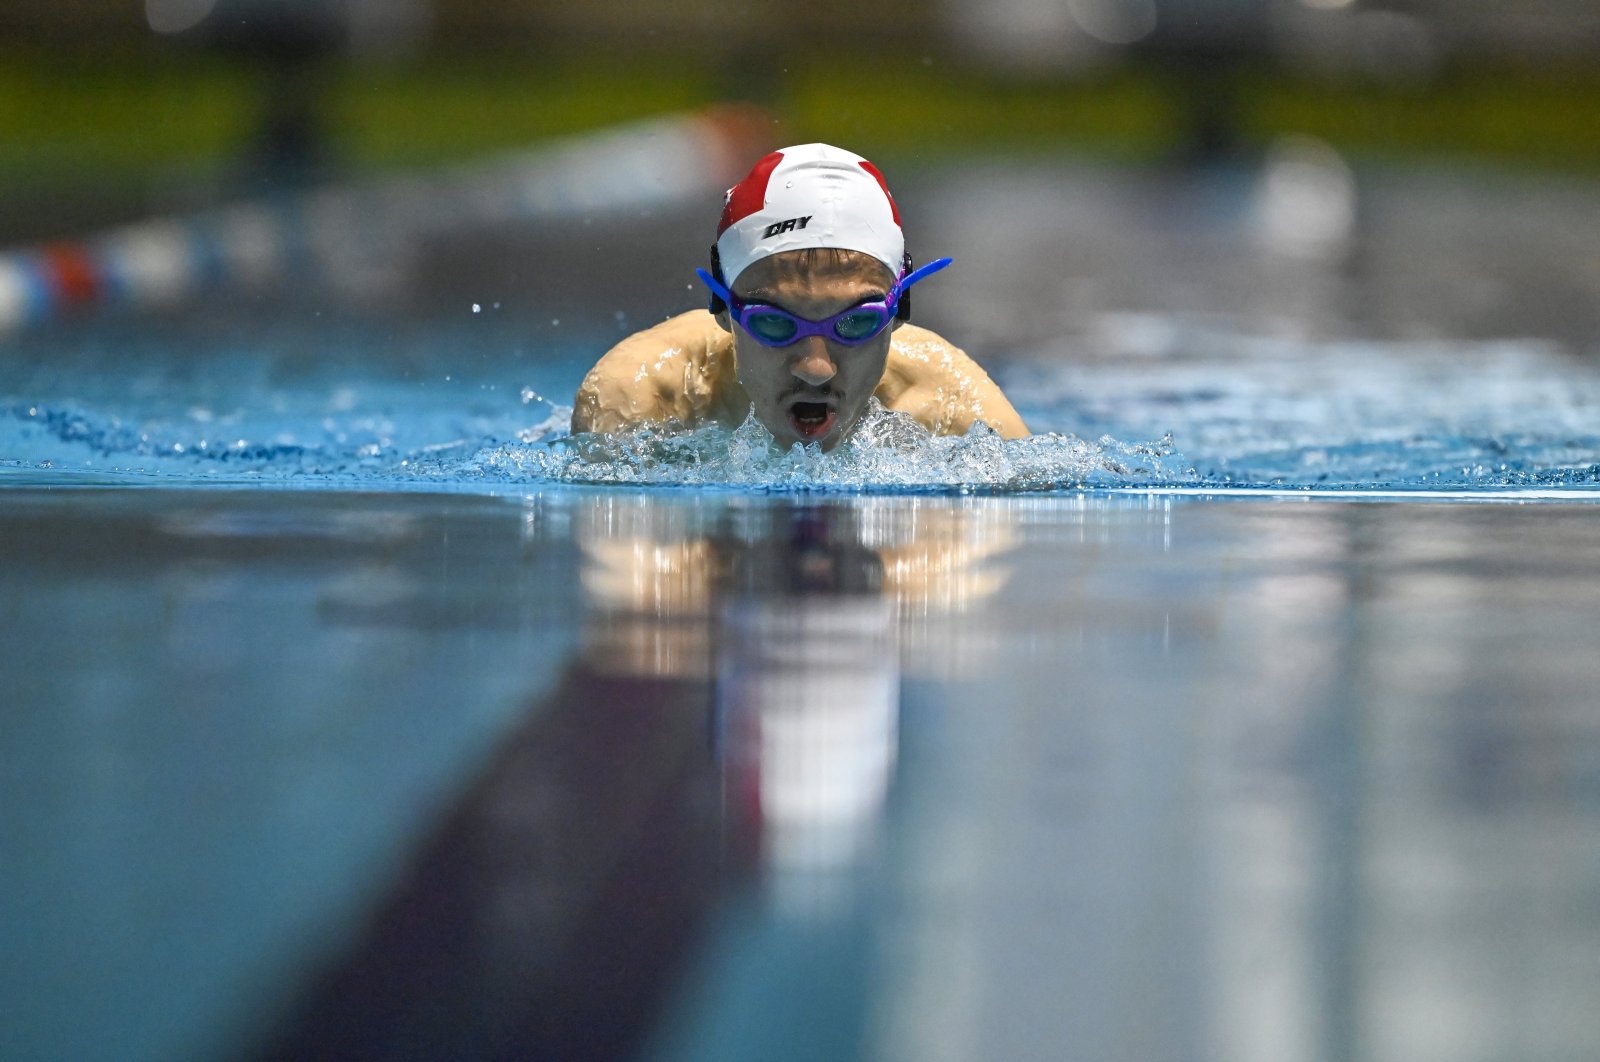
[(679, 370), (941, 386)]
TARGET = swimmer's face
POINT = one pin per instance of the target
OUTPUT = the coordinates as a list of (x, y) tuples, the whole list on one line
[(814, 390)]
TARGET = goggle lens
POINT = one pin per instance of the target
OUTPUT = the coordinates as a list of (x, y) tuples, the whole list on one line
[(862, 324), (771, 327)]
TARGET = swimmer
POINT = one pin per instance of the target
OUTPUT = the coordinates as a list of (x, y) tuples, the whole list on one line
[(809, 319)]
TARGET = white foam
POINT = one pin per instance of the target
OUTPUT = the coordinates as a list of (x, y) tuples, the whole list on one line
[(888, 451)]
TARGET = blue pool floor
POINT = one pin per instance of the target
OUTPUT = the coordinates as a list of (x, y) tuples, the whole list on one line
[(580, 773)]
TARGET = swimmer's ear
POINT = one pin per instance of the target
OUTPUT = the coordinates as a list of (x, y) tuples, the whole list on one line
[(902, 312), (718, 307)]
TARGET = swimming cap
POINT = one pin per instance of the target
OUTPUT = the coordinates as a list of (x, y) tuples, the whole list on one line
[(812, 195)]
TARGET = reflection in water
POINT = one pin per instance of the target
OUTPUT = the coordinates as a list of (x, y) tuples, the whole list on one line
[(732, 711), (1287, 781), (796, 615), (807, 701), (808, 690), (654, 576)]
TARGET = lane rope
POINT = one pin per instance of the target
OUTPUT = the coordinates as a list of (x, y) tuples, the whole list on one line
[(354, 236)]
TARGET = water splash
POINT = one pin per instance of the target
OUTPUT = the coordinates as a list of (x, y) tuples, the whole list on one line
[(888, 451)]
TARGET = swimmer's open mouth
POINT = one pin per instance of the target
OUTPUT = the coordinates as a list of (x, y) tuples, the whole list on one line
[(811, 420)]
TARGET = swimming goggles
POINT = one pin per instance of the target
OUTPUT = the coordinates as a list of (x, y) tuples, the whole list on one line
[(774, 327)]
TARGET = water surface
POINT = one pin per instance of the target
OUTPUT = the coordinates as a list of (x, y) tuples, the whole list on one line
[(884, 776)]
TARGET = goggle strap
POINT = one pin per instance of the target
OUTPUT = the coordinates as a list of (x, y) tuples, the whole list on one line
[(715, 285), (924, 271)]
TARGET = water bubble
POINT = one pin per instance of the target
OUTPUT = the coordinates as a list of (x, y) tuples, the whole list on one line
[(530, 395), (476, 308)]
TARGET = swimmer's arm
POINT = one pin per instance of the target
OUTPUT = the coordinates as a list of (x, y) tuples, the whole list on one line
[(944, 389), (680, 369)]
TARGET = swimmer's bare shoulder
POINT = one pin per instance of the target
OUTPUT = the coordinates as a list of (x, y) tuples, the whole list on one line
[(679, 370), (945, 390)]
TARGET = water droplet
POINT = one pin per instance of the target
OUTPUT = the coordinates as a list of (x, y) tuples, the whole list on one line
[(476, 308)]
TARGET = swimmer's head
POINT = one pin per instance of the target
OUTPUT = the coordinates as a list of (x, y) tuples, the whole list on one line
[(813, 231)]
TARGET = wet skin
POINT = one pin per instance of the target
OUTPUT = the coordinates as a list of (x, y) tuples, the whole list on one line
[(815, 389)]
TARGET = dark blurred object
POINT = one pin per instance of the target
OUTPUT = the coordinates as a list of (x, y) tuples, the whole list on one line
[(1204, 46), (1204, 51), (294, 46)]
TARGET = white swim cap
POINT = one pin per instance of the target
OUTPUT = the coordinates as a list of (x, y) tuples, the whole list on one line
[(812, 195)]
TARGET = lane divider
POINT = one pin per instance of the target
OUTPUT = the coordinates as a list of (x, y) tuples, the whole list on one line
[(354, 237)]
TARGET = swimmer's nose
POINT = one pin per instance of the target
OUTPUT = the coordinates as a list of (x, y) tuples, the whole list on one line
[(813, 363)]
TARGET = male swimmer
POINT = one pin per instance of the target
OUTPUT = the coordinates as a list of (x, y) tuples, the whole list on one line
[(809, 320)]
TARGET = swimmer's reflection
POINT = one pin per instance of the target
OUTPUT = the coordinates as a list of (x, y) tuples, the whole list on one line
[(656, 579), (555, 907), (807, 691), (799, 617)]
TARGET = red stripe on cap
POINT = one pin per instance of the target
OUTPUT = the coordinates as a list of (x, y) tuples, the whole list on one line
[(72, 273), (870, 168), (750, 194)]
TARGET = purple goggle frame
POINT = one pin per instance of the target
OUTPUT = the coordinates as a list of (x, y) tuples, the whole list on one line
[(778, 321)]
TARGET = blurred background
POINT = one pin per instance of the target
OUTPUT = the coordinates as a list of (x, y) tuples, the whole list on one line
[(1157, 778), (117, 110)]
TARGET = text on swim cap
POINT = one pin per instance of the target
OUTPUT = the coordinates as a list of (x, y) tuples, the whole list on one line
[(786, 226)]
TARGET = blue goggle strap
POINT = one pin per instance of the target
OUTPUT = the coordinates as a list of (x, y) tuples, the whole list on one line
[(716, 286), (924, 271), (720, 290)]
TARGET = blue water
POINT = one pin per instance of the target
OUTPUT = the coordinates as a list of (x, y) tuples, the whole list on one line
[(459, 407)]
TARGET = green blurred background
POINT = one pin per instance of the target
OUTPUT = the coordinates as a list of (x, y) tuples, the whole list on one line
[(111, 109)]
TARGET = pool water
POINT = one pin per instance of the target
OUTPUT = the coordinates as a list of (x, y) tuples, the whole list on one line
[(585, 772), (1247, 711), (1161, 403)]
